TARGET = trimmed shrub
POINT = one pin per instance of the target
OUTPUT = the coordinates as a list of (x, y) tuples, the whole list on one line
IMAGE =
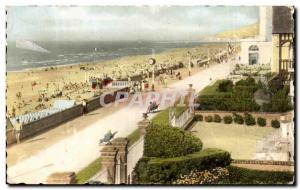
[(275, 123), (158, 170), (208, 118), (166, 142), (220, 96), (249, 81), (277, 83), (238, 119), (225, 86), (245, 176), (215, 101), (217, 118), (280, 101), (227, 119), (198, 117), (249, 119), (261, 121)]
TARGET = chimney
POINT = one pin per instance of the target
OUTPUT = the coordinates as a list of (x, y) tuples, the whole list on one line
[(265, 23)]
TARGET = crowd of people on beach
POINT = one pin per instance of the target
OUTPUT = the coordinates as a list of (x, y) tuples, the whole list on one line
[(80, 91), (68, 89)]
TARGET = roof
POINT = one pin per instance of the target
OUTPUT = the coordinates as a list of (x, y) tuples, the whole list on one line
[(283, 21)]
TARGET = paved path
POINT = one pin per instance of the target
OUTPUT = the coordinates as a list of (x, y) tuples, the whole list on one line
[(81, 146), (265, 167)]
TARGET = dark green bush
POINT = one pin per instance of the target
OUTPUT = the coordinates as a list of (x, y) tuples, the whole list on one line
[(227, 119), (261, 121), (159, 170), (238, 119), (245, 176), (249, 119), (280, 101), (215, 102), (243, 99), (208, 118), (275, 123), (225, 86), (277, 83), (237, 98), (198, 117), (217, 118), (249, 81), (166, 142)]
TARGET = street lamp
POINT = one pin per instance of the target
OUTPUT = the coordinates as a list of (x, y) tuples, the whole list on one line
[(189, 53), (152, 62)]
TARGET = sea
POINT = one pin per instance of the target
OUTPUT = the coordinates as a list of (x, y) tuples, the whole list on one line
[(68, 52)]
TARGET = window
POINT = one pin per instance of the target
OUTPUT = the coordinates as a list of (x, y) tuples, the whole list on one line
[(253, 55), (253, 48)]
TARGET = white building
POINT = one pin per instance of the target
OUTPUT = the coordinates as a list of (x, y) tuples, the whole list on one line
[(259, 50)]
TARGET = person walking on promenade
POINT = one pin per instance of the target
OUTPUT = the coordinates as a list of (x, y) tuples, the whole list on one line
[(18, 128), (13, 112), (165, 81), (84, 106)]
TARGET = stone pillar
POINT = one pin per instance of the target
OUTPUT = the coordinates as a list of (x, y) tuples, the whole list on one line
[(108, 154), (59, 178), (121, 145), (287, 138)]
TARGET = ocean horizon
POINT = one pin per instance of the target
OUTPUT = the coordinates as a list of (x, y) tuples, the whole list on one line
[(61, 53)]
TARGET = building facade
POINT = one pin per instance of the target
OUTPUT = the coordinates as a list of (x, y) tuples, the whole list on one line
[(283, 39), (258, 50)]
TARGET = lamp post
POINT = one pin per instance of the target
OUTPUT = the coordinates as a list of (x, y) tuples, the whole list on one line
[(189, 53), (208, 55), (152, 62)]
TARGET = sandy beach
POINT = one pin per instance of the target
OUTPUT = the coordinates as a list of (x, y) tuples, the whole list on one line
[(25, 87)]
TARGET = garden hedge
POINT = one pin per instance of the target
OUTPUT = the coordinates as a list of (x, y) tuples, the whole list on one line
[(217, 118), (198, 117), (160, 170), (221, 96), (225, 86), (167, 141), (245, 176), (275, 123), (238, 119), (249, 119), (227, 119), (208, 118), (261, 121), (280, 101)]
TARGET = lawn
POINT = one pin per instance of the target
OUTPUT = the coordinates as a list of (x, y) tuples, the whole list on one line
[(239, 140), (212, 89), (89, 171), (162, 118), (133, 137)]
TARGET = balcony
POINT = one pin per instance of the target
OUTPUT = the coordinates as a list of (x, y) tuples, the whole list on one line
[(286, 65)]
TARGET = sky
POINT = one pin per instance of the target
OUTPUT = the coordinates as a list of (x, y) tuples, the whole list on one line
[(106, 23)]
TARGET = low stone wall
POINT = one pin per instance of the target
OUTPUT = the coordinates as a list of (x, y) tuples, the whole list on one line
[(51, 121), (94, 103), (10, 136), (263, 162), (267, 115), (35, 127)]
